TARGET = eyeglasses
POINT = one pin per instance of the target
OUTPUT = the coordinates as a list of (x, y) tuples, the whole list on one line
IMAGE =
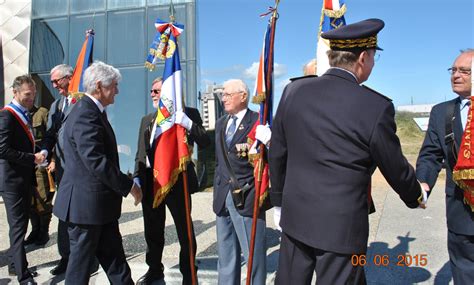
[(56, 81), (230, 95), (376, 57), (463, 71), (156, 91)]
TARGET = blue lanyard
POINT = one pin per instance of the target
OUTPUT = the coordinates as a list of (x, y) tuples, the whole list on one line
[(23, 113)]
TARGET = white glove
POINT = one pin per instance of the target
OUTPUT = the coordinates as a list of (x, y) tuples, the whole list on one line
[(263, 134), (276, 217), (183, 120), (424, 192)]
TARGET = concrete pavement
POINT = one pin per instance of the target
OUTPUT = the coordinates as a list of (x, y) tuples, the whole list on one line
[(395, 232)]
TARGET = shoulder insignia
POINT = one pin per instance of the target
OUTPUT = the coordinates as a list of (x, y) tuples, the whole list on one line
[(375, 92), (300, 77)]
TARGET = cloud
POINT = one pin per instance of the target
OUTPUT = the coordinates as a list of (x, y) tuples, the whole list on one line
[(278, 70)]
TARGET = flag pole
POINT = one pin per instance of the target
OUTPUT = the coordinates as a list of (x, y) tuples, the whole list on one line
[(187, 204), (258, 184)]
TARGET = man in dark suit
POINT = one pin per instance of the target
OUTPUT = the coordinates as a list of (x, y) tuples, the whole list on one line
[(234, 218), (92, 185), (440, 148), (17, 169), (321, 169), (154, 218), (60, 77)]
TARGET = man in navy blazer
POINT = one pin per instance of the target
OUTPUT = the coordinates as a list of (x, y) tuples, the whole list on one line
[(60, 78), (329, 135), (234, 222), (440, 149), (17, 170), (92, 186)]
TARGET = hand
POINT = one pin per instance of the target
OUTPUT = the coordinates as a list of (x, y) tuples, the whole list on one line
[(183, 120), (276, 217), (137, 193), (425, 188), (40, 158), (263, 133), (52, 166)]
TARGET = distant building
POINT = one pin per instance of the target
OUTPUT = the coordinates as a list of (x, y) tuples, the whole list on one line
[(423, 111), (426, 108), (211, 106)]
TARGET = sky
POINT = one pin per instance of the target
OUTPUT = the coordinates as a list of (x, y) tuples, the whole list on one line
[(421, 40)]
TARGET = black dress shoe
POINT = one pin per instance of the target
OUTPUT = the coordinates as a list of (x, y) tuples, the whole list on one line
[(150, 277), (32, 238), (60, 268), (42, 239), (12, 272)]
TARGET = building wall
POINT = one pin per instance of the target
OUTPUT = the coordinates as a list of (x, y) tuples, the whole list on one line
[(15, 32), (124, 31)]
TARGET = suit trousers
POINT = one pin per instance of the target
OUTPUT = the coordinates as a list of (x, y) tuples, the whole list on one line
[(17, 206), (154, 220), (63, 241), (461, 257), (103, 242), (298, 261), (233, 237)]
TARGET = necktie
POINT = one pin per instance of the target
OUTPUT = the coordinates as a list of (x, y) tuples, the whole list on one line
[(66, 105), (230, 132), (465, 112)]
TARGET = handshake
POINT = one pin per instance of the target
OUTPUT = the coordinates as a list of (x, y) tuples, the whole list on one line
[(40, 159), (137, 193)]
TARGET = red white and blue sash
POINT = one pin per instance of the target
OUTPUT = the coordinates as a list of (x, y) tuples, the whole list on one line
[(22, 120)]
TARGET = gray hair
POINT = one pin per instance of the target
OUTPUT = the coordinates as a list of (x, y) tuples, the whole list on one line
[(22, 79), (239, 85), (100, 72), (158, 79), (343, 59), (63, 69)]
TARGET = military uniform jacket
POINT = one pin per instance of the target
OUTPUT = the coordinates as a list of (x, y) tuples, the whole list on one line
[(328, 136), (433, 155), (240, 164)]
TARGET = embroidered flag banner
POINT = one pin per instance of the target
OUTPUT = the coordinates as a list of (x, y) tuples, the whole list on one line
[(332, 17), (463, 172), (171, 153)]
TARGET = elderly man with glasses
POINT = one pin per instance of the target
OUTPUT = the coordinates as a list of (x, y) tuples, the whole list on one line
[(442, 141), (233, 171)]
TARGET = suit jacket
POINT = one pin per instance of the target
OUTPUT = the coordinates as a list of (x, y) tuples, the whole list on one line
[(144, 149), (243, 169), (56, 118), (433, 155), (92, 186), (328, 136), (17, 166)]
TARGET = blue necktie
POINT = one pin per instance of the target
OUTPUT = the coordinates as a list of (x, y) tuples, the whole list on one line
[(230, 132)]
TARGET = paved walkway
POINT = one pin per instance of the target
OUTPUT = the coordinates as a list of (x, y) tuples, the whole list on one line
[(396, 234)]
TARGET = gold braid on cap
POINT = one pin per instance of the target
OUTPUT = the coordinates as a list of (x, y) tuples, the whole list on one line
[(369, 42)]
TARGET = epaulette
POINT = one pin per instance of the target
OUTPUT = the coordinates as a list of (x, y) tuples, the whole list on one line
[(375, 92), (300, 77)]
